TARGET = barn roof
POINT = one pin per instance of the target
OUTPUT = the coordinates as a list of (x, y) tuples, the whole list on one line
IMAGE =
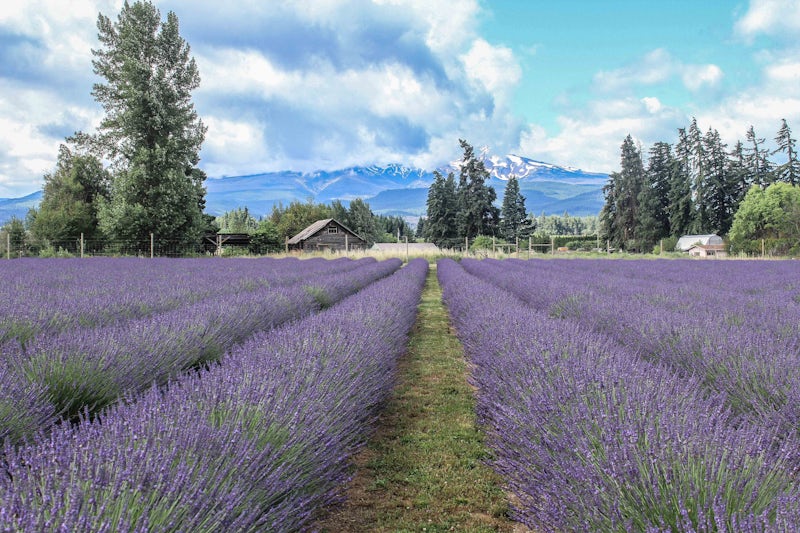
[(318, 225)]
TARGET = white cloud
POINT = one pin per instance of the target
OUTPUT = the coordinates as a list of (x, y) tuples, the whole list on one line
[(493, 67), (658, 67), (771, 17)]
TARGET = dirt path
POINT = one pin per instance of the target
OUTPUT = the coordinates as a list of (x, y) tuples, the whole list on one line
[(423, 470)]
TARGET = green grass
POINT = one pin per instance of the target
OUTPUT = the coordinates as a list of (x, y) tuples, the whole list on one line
[(424, 469)]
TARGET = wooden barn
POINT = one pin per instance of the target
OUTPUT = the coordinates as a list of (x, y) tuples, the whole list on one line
[(328, 234)]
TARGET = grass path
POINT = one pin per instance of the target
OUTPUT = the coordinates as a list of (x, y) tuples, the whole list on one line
[(423, 469)]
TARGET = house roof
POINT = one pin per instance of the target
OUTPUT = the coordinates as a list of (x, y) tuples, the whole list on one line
[(316, 226)]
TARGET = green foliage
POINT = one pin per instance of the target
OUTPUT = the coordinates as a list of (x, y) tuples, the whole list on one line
[(442, 206), (361, 220), (297, 216), (483, 242), (772, 213), (514, 223), (476, 213), (150, 131), (265, 239), (15, 235), (237, 221), (68, 207)]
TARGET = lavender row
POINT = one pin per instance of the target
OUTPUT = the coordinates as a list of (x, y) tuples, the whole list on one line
[(65, 374), (591, 438), (260, 442), (741, 335), (47, 296)]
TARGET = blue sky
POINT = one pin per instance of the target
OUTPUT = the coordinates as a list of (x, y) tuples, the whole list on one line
[(326, 84)]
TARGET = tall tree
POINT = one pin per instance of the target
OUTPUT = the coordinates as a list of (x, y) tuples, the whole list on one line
[(757, 160), (514, 221), (790, 170), (653, 220), (681, 202), (719, 189), (738, 173), (150, 131), (477, 214), (442, 205), (621, 212), (68, 207)]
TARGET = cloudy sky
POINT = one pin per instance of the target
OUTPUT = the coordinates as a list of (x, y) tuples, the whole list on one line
[(326, 84)]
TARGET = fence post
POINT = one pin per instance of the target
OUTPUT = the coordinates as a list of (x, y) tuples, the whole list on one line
[(286, 244), (494, 247), (152, 242), (466, 245), (8, 245), (406, 236), (81, 245), (552, 245), (530, 246)]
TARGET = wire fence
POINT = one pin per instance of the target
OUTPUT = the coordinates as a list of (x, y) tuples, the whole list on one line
[(12, 246)]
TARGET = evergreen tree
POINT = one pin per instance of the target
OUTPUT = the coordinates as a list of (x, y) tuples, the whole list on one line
[(238, 220), (514, 222), (442, 204), (68, 207), (757, 160), (150, 131), (653, 221), (697, 158), (790, 170), (739, 176), (339, 212), (681, 204), (419, 233), (719, 188), (477, 214), (621, 212)]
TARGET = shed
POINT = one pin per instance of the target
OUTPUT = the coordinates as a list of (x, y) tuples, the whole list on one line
[(327, 234), (687, 241), (708, 250)]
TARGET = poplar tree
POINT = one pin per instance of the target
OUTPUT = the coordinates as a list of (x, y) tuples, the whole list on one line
[(150, 132)]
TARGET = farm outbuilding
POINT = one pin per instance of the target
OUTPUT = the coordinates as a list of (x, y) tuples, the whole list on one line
[(327, 234), (687, 241), (708, 250)]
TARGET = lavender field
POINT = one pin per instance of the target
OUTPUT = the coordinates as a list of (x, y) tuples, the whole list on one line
[(204, 396), (640, 395)]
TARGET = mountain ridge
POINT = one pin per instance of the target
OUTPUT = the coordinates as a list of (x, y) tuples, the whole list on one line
[(393, 189)]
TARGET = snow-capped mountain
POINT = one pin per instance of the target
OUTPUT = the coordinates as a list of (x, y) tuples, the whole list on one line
[(390, 190)]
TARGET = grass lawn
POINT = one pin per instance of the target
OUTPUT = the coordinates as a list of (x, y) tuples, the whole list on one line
[(423, 470)]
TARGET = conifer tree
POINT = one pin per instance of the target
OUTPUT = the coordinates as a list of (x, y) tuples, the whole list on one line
[(790, 170), (440, 222), (719, 188), (757, 160), (681, 203), (477, 214), (514, 222), (653, 221)]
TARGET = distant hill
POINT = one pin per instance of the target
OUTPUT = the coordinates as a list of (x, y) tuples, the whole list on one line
[(389, 190), (398, 190), (18, 207)]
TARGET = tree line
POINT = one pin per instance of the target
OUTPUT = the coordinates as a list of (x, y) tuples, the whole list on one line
[(464, 210), (269, 233), (699, 186)]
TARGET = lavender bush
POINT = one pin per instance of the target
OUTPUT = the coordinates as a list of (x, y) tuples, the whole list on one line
[(591, 437), (89, 368), (736, 325), (53, 295), (259, 442)]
